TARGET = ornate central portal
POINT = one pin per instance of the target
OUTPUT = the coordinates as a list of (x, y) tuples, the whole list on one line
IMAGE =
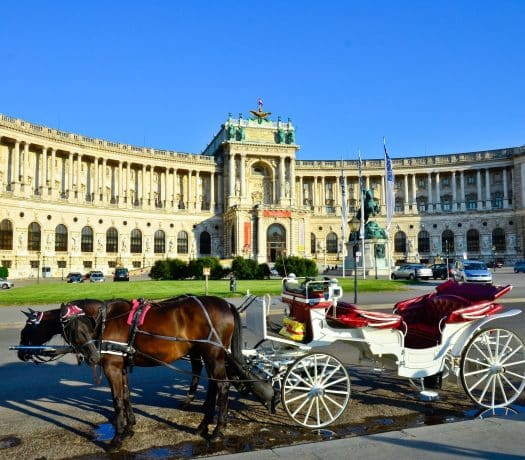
[(275, 242)]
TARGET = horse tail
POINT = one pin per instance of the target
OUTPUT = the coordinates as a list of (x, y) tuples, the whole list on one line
[(236, 343)]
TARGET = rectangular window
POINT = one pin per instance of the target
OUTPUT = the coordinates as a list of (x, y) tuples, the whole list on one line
[(471, 179), (445, 181)]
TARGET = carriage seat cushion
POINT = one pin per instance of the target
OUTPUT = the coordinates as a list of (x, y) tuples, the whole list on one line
[(476, 311), (349, 315)]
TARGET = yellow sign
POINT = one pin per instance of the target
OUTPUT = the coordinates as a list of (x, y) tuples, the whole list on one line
[(206, 271)]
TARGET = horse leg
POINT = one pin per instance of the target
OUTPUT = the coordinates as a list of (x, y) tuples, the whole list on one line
[(196, 369), (218, 384), (114, 374), (223, 392), (209, 408), (128, 411)]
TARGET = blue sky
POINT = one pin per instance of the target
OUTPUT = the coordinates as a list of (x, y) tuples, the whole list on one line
[(433, 77)]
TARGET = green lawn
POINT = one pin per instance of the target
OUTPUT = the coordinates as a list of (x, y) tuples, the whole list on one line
[(55, 292)]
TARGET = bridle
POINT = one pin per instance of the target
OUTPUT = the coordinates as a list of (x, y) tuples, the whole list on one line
[(69, 320)]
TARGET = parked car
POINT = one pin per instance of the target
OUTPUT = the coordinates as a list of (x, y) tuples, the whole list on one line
[(412, 271), (6, 284), (474, 271), (96, 277), (74, 277), (497, 264), (519, 266), (440, 271), (121, 274)]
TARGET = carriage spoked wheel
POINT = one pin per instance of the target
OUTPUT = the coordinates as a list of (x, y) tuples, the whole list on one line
[(315, 390), (493, 368)]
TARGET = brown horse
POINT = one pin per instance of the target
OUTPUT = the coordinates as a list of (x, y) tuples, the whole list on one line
[(203, 327)]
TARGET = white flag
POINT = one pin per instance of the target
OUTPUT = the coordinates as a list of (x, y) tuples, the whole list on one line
[(390, 194)]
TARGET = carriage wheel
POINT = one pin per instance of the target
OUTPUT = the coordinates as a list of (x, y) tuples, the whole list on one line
[(315, 390), (493, 368)]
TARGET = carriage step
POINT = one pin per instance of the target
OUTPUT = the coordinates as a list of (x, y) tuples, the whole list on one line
[(428, 395)]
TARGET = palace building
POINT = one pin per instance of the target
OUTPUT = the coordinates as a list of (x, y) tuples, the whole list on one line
[(73, 203)]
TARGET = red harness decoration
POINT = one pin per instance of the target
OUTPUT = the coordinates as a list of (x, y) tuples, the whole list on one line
[(135, 305), (72, 310)]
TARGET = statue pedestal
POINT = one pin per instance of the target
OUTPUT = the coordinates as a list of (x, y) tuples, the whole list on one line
[(374, 256)]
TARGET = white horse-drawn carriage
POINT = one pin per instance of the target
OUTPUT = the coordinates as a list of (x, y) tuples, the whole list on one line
[(427, 338)]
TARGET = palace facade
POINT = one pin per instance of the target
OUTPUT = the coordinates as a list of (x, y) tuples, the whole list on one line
[(73, 203)]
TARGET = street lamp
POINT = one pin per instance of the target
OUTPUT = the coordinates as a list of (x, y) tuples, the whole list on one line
[(494, 257), (355, 225)]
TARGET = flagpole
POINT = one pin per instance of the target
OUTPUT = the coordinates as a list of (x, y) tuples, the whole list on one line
[(362, 216), (390, 203), (343, 214)]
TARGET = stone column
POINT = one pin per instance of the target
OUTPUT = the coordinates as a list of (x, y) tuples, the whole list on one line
[(406, 200), (505, 189), (151, 189), (488, 201), (52, 189), (79, 180), (430, 199), (175, 191), (231, 175), (198, 189), (454, 192), (212, 193), (143, 200), (220, 193), (70, 192), (438, 194), (478, 183), (292, 180), (129, 185), (281, 179), (25, 171), (415, 209), (243, 175), (120, 188), (43, 173), (314, 194), (462, 190), (187, 192), (15, 169), (96, 172), (103, 198), (301, 192), (323, 195)]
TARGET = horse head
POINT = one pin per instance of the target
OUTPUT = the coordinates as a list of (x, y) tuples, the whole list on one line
[(40, 327), (79, 330)]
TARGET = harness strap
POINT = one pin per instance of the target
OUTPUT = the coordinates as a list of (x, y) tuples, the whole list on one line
[(210, 323)]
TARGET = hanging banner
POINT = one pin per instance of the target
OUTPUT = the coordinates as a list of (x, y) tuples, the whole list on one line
[(276, 213)]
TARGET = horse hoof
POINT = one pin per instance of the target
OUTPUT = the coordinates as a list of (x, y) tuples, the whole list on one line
[(202, 430), (215, 437), (114, 445), (128, 433)]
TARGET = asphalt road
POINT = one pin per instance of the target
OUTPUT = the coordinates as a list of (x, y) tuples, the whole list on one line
[(55, 410)]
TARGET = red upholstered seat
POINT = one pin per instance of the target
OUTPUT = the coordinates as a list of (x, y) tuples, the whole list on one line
[(349, 315)]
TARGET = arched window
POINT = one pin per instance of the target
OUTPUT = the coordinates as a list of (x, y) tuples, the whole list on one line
[(472, 240), (159, 242), (112, 240), (60, 238), (447, 242), (6, 234), (498, 239), (182, 242), (135, 245), (33, 237), (86, 239), (205, 243), (423, 242), (312, 243), (331, 243), (400, 242)]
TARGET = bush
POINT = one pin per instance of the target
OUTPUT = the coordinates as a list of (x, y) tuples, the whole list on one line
[(195, 268), (297, 265), (263, 271), (244, 269), (4, 272), (160, 270), (178, 269)]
